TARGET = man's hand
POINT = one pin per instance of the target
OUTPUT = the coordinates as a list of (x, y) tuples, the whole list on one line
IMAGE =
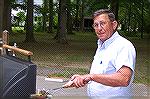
[(70, 83), (78, 81)]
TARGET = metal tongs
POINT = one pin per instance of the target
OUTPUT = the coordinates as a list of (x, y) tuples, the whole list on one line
[(52, 91), (67, 85), (49, 92)]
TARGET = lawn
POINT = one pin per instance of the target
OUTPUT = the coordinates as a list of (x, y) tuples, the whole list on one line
[(77, 55)]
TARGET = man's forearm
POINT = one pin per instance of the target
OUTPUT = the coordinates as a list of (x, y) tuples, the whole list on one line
[(113, 80), (120, 78)]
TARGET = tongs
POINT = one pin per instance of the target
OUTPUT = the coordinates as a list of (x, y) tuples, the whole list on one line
[(50, 92), (70, 82)]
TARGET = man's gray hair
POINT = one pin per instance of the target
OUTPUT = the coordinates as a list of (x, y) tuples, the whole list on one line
[(105, 11)]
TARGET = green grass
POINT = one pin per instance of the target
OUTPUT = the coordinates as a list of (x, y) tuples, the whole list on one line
[(68, 72), (78, 53), (142, 69), (18, 29)]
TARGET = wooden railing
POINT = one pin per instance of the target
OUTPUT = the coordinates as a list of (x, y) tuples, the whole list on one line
[(4, 46)]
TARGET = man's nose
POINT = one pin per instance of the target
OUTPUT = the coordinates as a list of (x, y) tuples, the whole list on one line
[(99, 27)]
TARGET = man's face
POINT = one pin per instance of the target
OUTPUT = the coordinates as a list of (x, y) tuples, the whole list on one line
[(104, 28)]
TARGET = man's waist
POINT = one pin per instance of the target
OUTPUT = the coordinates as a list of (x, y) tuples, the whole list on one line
[(97, 88)]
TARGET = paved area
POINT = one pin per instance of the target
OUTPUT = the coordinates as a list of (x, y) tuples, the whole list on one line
[(140, 91), (41, 83)]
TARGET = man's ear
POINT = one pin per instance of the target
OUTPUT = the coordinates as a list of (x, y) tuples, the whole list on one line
[(115, 25)]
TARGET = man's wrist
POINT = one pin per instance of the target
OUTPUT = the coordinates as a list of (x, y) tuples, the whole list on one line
[(91, 77)]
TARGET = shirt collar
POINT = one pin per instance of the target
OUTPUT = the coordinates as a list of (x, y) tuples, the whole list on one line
[(108, 41)]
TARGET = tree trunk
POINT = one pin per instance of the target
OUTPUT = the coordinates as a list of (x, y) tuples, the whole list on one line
[(69, 18), (142, 28), (62, 27), (29, 24), (50, 27), (82, 17), (44, 15), (77, 15), (1, 16), (115, 7), (7, 16), (129, 19)]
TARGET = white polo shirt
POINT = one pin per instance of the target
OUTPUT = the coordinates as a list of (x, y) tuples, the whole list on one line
[(109, 58)]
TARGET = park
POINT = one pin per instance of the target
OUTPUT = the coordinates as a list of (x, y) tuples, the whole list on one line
[(63, 41)]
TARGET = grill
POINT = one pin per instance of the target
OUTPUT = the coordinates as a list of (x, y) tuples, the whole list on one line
[(17, 76)]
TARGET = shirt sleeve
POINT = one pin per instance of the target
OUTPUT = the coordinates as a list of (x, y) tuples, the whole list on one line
[(126, 56)]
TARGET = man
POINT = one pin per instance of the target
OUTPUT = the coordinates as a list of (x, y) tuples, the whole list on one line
[(112, 69)]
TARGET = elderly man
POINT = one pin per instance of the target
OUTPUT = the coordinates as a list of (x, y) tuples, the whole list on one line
[(112, 69)]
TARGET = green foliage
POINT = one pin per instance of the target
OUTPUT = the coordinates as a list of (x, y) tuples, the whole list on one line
[(131, 15), (38, 23), (21, 18), (147, 16), (55, 20), (134, 20), (18, 29), (38, 26)]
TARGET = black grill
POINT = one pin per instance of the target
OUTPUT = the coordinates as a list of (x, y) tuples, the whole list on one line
[(18, 77)]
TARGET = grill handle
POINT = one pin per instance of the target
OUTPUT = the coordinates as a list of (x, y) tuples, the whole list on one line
[(24, 52)]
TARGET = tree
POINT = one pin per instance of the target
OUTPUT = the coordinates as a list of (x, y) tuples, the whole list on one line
[(7, 16), (77, 14), (146, 21), (69, 17), (44, 13), (50, 27), (142, 16), (29, 22), (132, 16), (82, 16), (114, 6), (62, 21), (1, 16)]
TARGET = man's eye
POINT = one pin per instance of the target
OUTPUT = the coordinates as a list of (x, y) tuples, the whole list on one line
[(101, 23), (95, 25)]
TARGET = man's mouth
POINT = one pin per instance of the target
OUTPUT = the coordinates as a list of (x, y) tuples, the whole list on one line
[(100, 34)]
